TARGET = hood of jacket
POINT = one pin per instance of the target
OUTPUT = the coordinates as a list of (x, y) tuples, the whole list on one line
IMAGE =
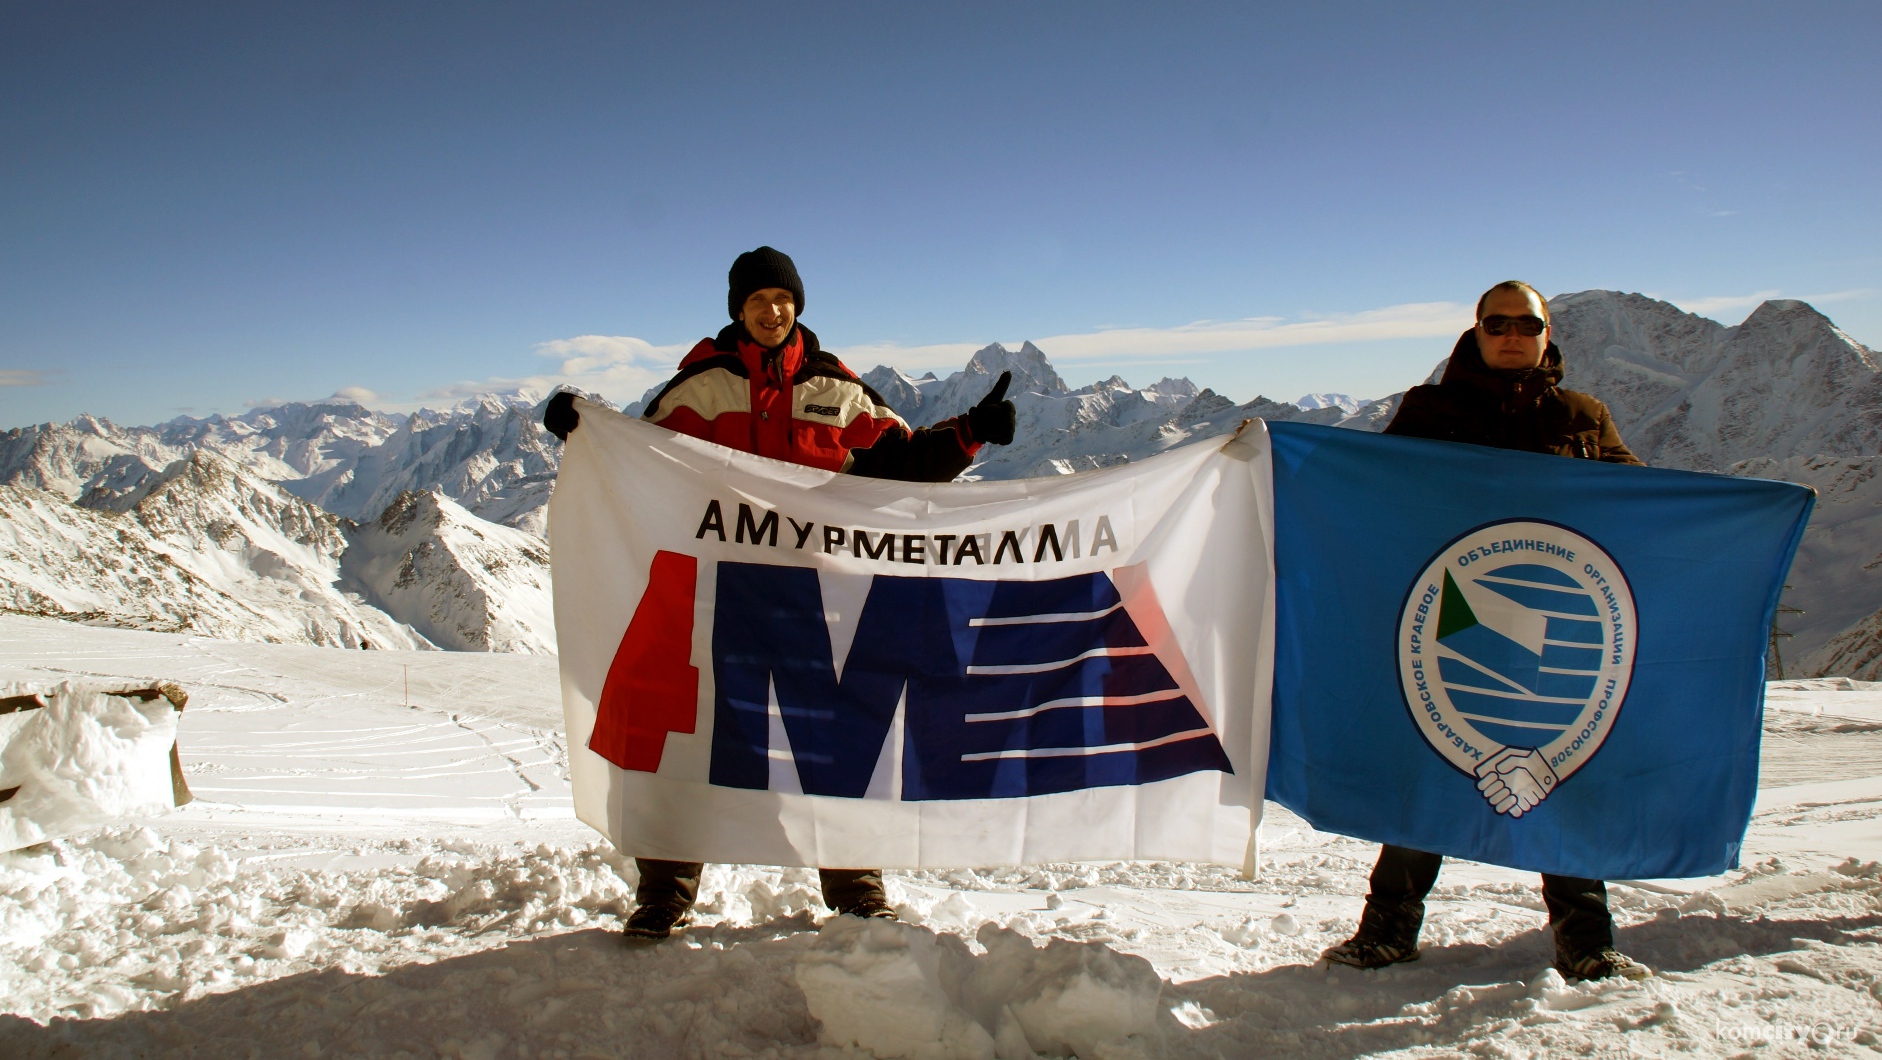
[(1466, 369)]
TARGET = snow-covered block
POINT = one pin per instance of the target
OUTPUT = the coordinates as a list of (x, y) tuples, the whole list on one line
[(76, 755), (1069, 999), (883, 988)]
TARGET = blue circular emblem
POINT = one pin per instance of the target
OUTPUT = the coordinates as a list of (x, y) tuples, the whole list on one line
[(1515, 650)]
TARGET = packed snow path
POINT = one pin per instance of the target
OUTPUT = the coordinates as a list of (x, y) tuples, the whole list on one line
[(360, 877)]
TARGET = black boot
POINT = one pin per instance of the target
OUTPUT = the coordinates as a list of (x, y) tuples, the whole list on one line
[(664, 897), (1395, 910), (857, 892), (1584, 930)]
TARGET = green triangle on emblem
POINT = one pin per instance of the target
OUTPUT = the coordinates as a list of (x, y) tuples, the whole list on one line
[(1454, 611)]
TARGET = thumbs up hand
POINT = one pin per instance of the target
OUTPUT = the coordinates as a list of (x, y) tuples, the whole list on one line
[(995, 417)]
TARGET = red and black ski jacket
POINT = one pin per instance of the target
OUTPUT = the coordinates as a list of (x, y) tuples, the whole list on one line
[(800, 404)]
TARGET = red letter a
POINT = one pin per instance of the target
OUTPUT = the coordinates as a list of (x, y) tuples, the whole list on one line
[(651, 688)]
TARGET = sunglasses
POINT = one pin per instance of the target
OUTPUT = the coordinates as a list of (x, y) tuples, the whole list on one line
[(1523, 325)]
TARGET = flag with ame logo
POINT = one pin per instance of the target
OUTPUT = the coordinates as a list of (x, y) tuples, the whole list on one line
[(769, 663), (1522, 659)]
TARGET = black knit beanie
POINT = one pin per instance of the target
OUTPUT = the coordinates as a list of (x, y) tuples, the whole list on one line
[(758, 269)]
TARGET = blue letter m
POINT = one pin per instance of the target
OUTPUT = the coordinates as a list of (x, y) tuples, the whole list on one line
[(769, 633), (1012, 688)]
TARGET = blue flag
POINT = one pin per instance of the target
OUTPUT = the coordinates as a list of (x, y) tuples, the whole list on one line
[(1522, 659)]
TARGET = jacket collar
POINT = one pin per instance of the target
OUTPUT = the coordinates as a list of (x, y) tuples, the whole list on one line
[(1466, 368), (779, 365)]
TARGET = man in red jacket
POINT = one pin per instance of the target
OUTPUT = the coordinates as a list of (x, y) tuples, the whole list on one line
[(765, 386)]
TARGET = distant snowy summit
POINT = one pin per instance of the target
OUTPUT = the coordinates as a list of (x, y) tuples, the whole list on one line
[(1784, 395), (928, 399), (204, 546), (272, 547), (1344, 402), (488, 453), (1061, 429), (433, 522), (464, 583)]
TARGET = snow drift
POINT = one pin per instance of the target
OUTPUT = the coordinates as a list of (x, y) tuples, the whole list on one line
[(393, 905), (77, 755)]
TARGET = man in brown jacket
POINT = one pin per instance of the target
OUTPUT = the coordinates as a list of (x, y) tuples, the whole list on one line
[(1502, 388)]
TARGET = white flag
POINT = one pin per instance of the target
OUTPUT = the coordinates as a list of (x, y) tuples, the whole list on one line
[(768, 663)]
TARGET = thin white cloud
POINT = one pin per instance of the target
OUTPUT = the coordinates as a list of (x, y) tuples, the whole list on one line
[(623, 367), (618, 367), (1415, 320), (439, 397), (619, 383), (942, 357), (1718, 303), (23, 377), (1851, 295), (1412, 321), (590, 354)]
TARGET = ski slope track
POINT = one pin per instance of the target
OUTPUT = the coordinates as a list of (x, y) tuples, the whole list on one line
[(382, 861)]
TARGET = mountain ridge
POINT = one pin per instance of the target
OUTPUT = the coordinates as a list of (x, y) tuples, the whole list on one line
[(1785, 394)]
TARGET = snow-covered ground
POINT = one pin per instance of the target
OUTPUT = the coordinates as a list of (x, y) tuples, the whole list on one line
[(364, 877)]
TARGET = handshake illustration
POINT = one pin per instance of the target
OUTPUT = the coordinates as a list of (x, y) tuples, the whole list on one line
[(1516, 780)]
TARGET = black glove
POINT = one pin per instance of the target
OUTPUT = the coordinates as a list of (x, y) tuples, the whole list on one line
[(559, 416), (995, 417)]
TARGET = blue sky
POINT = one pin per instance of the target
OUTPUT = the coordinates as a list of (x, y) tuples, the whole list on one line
[(208, 206)]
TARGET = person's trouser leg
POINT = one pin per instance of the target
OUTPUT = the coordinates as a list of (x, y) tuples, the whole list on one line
[(1578, 909), (673, 884), (845, 889), (1395, 908)]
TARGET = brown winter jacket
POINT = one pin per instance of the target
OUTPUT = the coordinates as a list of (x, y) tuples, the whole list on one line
[(1510, 409)]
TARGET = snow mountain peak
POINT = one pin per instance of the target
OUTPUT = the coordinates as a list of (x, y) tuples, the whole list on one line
[(203, 546), (1031, 370), (464, 583), (1345, 402)]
